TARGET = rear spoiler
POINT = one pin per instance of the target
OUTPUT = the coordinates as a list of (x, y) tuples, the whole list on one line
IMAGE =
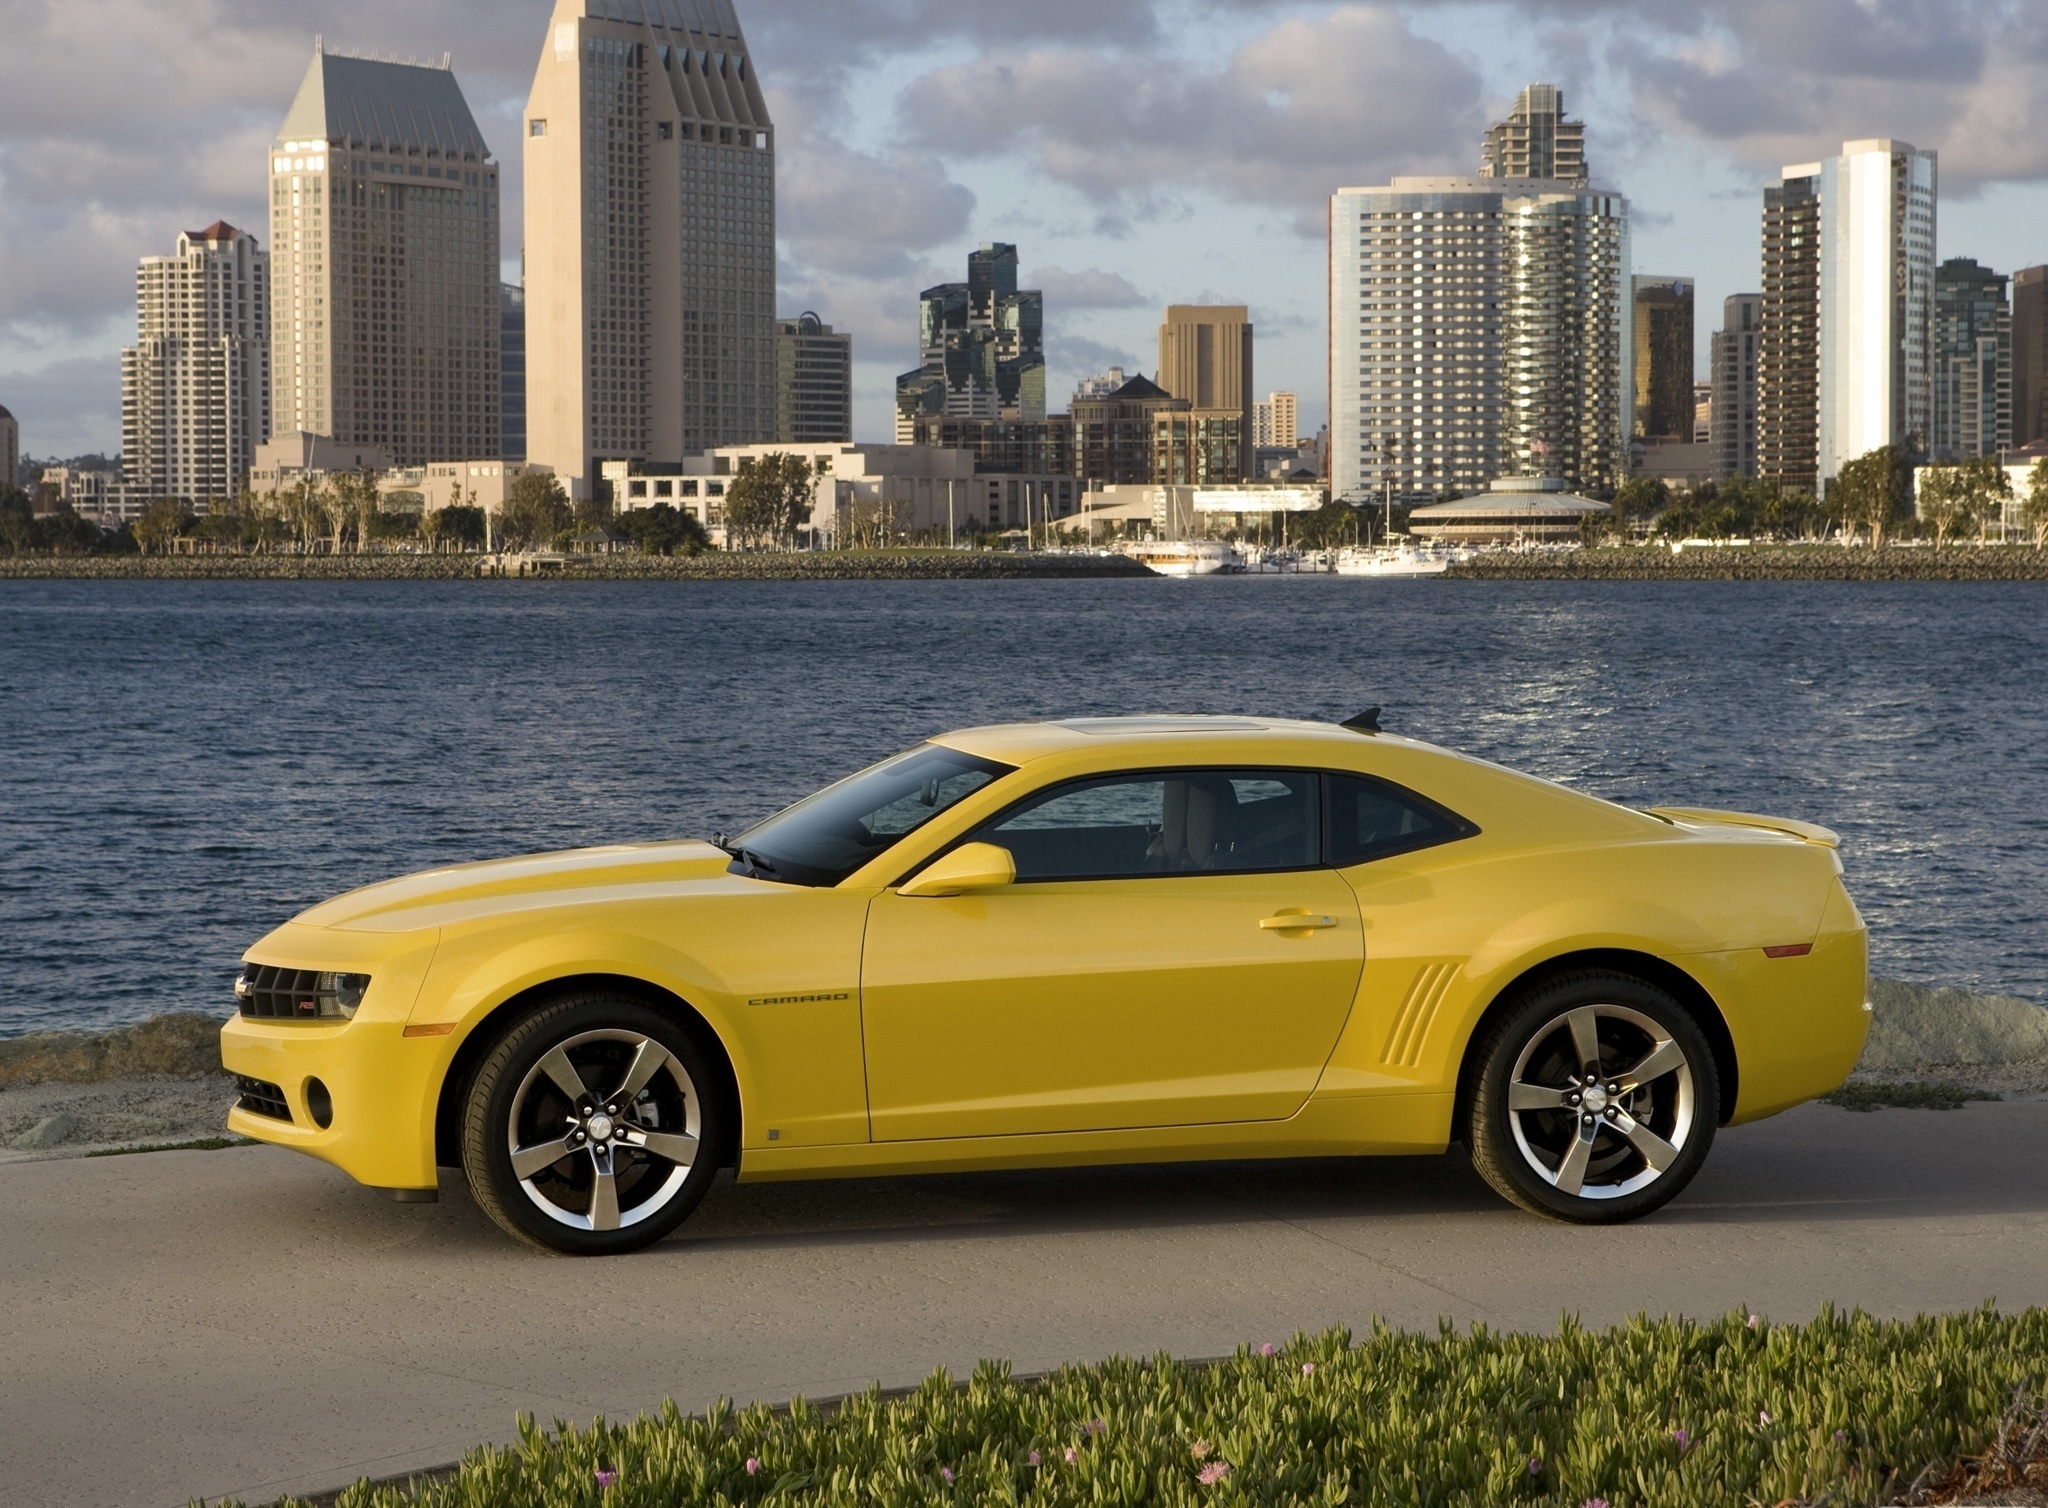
[(1806, 832)]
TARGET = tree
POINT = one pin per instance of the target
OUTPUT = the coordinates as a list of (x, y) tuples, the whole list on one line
[(1947, 502), (459, 524), (17, 521), (163, 521), (1639, 499), (770, 499), (1989, 488), (537, 512), (2035, 508), (663, 530), (1870, 492)]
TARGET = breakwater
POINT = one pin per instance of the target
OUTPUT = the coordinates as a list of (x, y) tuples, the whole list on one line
[(850, 565), (1750, 563)]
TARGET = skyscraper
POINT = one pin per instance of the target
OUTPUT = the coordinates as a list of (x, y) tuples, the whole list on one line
[(1733, 366), (1205, 356), (195, 386), (1877, 203), (384, 245), (650, 237), (981, 347), (10, 451), (813, 382), (1663, 323), (1972, 366), (1788, 363), (1479, 327), (512, 369), (1276, 422), (2029, 355), (1536, 141)]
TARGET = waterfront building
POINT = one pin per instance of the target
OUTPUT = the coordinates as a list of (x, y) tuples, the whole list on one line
[(286, 460), (1101, 385), (385, 317), (195, 386), (1198, 448), (1205, 357), (1514, 510), (1733, 360), (1276, 422), (1006, 447), (813, 382), (650, 237), (1536, 141), (1877, 224), (1115, 435), (91, 492), (10, 450), (1788, 361), (512, 370), (981, 347), (485, 484), (1663, 322), (1479, 327), (2029, 355), (1972, 366)]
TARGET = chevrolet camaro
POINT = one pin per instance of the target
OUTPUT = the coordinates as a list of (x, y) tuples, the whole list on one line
[(1051, 944)]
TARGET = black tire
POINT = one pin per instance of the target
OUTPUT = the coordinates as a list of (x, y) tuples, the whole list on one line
[(1584, 1159), (519, 1103)]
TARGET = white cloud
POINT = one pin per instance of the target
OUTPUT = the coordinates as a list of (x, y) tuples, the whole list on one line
[(1090, 288)]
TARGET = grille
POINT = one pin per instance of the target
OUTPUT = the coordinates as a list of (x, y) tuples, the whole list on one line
[(280, 994), (259, 1098)]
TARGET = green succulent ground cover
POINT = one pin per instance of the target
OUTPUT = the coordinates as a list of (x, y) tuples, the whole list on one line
[(1913, 1096), (1652, 1414)]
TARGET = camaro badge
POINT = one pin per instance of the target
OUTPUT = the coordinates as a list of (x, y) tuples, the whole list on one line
[(798, 999)]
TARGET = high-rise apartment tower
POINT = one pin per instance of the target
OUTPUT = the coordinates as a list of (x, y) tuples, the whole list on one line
[(981, 348), (2029, 355), (813, 382), (10, 451), (1733, 366), (1663, 358), (1788, 364), (1276, 422), (195, 386), (512, 369), (1972, 369), (1536, 141), (650, 237), (1479, 327), (384, 256), (1205, 357)]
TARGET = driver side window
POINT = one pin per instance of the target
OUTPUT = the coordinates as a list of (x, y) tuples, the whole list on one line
[(1161, 823)]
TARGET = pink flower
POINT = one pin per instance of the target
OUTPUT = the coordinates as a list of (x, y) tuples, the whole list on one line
[(1594, 1503), (946, 1475), (1214, 1472), (1199, 1450), (1763, 1416), (1073, 1455), (1682, 1440), (1840, 1437), (1032, 1458), (753, 1465), (1095, 1427), (1266, 1349), (1308, 1369), (1535, 1467), (1753, 1322), (607, 1480)]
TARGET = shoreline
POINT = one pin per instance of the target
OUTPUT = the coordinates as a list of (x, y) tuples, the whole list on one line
[(1765, 563), (879, 565)]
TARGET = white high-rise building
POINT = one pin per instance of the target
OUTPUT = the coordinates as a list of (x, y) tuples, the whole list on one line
[(650, 238), (1276, 421), (1479, 327), (195, 386), (1877, 211)]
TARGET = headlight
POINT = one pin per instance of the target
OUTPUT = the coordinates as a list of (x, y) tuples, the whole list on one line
[(340, 994)]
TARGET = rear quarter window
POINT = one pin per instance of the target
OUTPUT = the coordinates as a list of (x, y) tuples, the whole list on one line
[(1376, 819)]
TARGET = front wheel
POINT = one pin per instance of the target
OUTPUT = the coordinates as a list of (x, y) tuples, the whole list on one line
[(591, 1127), (1595, 1100)]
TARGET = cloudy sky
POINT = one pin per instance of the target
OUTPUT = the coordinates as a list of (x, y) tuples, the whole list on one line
[(1139, 152)]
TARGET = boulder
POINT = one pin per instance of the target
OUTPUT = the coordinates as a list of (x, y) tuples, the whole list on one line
[(50, 1131), (1913, 1026), (183, 1044)]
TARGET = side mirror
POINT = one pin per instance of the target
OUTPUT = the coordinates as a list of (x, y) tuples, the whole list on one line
[(976, 866)]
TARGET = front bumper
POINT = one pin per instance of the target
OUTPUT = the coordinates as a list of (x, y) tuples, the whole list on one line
[(382, 1089)]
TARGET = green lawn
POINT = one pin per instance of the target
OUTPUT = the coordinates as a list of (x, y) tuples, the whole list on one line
[(1666, 1413)]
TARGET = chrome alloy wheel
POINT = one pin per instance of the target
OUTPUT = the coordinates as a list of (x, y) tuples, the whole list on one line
[(1602, 1101), (604, 1130)]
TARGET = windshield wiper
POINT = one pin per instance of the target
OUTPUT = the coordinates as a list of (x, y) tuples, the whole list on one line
[(760, 864)]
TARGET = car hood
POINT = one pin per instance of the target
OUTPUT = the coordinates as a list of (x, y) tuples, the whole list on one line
[(519, 882)]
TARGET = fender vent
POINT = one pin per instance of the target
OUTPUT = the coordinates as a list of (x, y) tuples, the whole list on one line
[(1418, 1010)]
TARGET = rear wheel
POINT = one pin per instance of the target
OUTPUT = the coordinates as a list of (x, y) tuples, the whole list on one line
[(1595, 1099), (591, 1127)]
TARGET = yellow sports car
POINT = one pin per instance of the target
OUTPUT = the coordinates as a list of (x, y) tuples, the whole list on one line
[(1099, 940)]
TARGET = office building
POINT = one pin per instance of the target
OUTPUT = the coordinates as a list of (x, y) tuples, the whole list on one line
[(1102, 384), (10, 451), (1877, 214), (1972, 365), (1116, 434), (1006, 447), (195, 386), (384, 250), (2029, 355), (650, 238), (981, 347), (1205, 357), (1788, 361), (813, 382), (1703, 413), (1536, 141), (512, 370), (1276, 422), (1732, 360), (1199, 448), (1663, 322), (1479, 327)]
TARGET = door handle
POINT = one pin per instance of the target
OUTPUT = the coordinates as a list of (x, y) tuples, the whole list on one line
[(1297, 922)]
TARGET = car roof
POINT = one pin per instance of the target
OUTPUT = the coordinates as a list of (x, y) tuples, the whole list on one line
[(1166, 734)]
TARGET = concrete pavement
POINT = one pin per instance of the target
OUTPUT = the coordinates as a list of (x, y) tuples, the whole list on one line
[(248, 1322)]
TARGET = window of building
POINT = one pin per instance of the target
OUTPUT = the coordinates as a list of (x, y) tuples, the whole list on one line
[(538, 128)]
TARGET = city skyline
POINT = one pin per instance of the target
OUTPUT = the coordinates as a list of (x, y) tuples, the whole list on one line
[(883, 185)]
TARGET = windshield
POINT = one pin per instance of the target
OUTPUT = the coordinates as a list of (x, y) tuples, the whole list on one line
[(824, 838)]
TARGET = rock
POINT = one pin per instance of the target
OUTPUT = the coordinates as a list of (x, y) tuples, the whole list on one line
[(1914, 1027), (183, 1044), (50, 1131)]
